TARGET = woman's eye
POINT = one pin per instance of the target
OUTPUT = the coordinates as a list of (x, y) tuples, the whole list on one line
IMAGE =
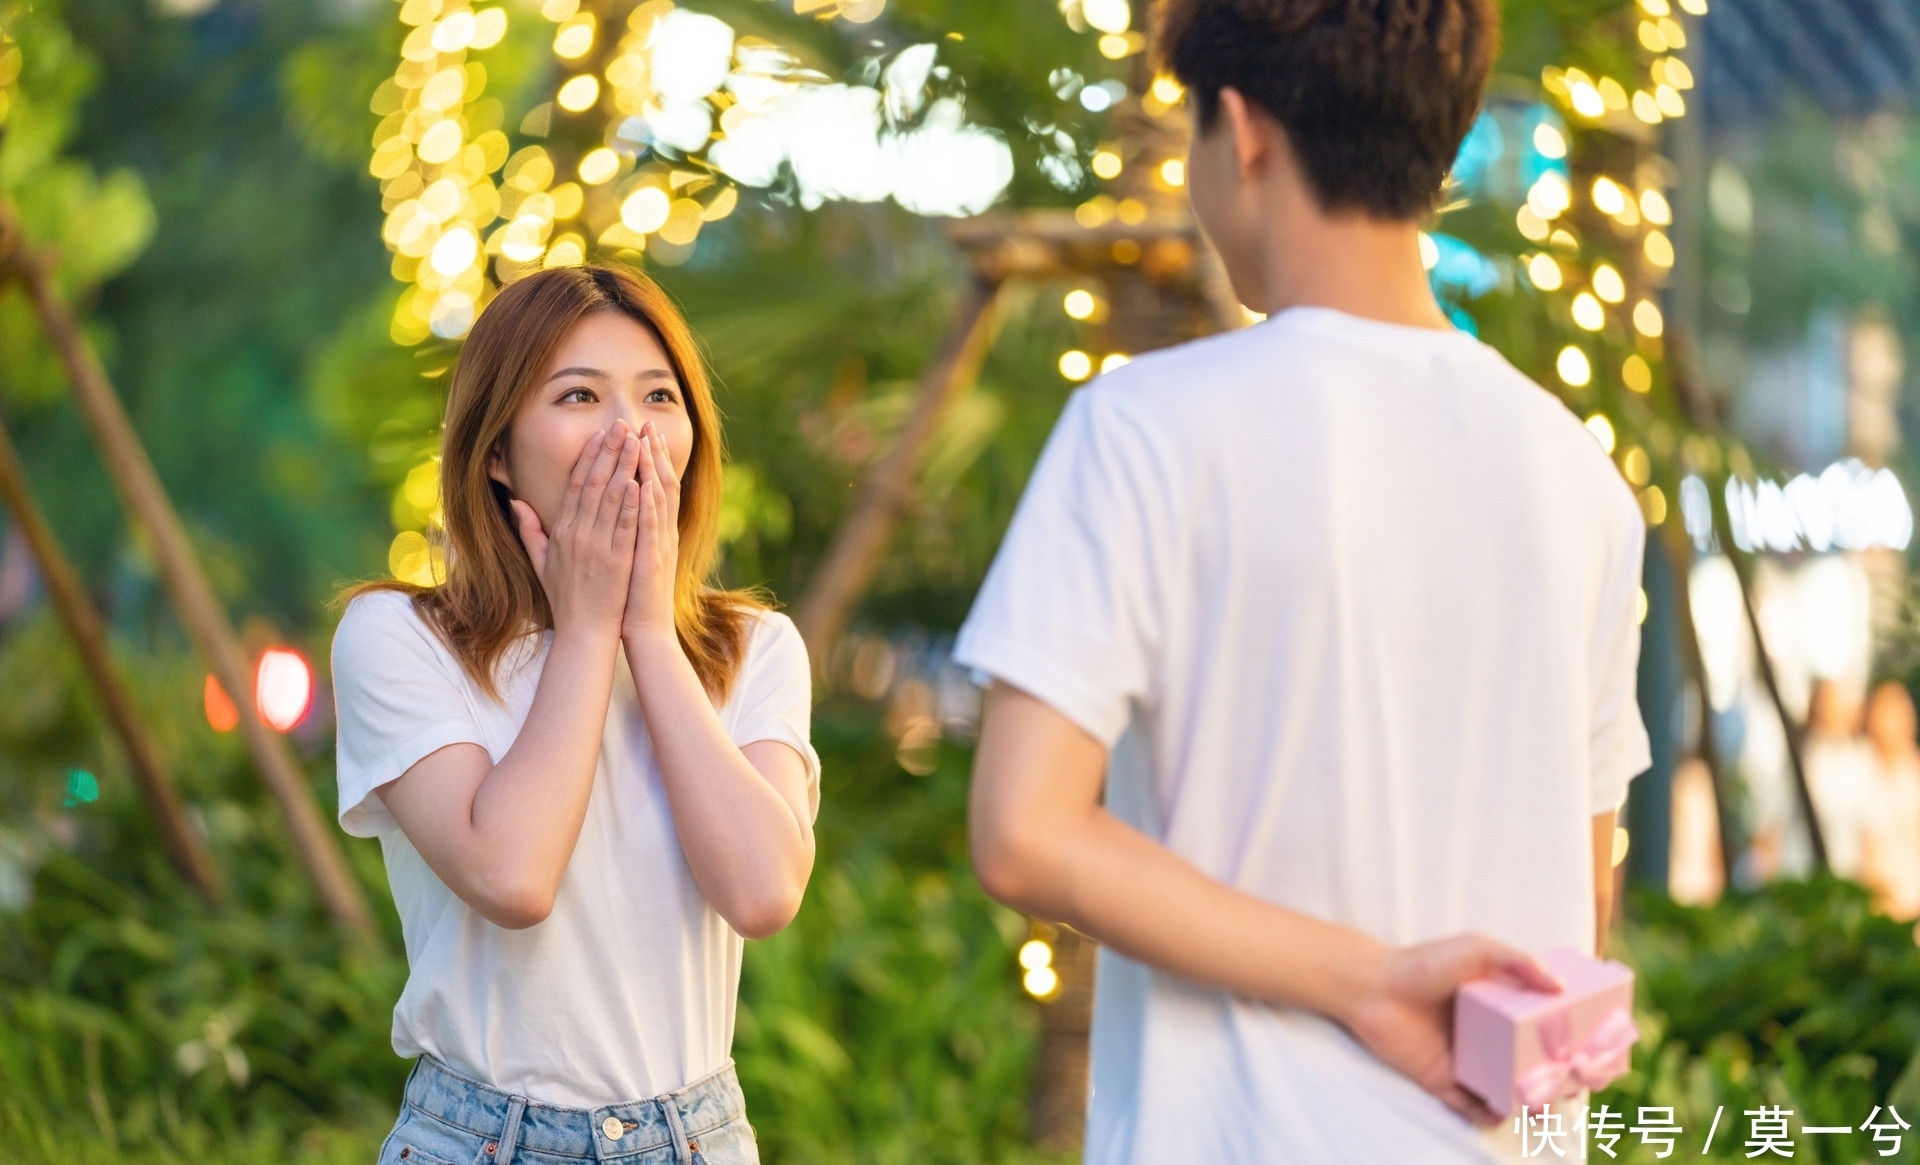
[(662, 396), (578, 395)]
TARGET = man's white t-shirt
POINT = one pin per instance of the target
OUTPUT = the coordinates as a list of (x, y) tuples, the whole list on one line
[(1354, 605), (626, 991)]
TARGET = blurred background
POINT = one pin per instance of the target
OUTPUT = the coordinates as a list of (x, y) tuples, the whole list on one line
[(241, 241)]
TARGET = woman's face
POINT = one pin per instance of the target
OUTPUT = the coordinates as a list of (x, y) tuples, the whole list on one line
[(608, 368)]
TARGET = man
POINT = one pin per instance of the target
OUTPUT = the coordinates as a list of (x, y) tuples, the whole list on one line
[(1313, 644)]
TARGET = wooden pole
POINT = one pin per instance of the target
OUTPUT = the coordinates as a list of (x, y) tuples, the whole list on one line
[(1680, 550), (200, 612), (857, 547), (1789, 727), (150, 774)]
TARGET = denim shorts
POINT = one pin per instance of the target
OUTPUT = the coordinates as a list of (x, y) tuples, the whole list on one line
[(448, 1119)]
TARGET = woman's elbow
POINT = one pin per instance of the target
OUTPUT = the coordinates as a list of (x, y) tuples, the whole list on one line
[(513, 901), (765, 914)]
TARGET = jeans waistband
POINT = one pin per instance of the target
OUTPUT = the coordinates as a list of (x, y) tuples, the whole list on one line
[(515, 1122)]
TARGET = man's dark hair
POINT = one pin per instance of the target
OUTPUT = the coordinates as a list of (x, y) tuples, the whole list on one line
[(1375, 95)]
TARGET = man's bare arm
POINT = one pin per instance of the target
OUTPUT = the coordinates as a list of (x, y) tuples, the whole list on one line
[(1043, 843), (1602, 878)]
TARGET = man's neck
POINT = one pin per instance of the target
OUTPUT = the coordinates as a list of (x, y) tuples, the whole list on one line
[(1362, 266)]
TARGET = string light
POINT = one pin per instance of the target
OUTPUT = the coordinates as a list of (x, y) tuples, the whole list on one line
[(1573, 367)]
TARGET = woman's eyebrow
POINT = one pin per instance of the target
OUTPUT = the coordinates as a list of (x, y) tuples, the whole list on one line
[(577, 371)]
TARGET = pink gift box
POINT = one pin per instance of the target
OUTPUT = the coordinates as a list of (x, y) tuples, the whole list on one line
[(1515, 1048)]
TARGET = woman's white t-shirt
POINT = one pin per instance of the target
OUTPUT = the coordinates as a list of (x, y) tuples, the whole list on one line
[(627, 990)]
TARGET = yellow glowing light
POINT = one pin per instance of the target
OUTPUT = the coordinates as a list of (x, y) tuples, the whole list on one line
[(1655, 7), (1106, 164), (422, 487), (559, 10), (1639, 616), (1572, 366), (579, 93), (1113, 47), (1530, 224), (1095, 211), (1549, 195), (412, 559), (1636, 374), (1585, 99), (1035, 954), (1672, 33), (1079, 303), (645, 210), (1588, 313), (454, 33), (1544, 272), (1646, 318), (1602, 430), (1608, 196), (417, 12), (683, 222), (1676, 73), (1654, 504), (1173, 172), (574, 38), (1131, 211), (1659, 249), (1108, 16), (567, 199), (1040, 982), (1563, 239), (440, 201), (1166, 90), (1608, 285), (1612, 93), (441, 141), (599, 166), (1075, 364), (524, 238), (455, 252), (1113, 360), (444, 89), (1650, 37), (489, 25), (1694, 7), (1653, 204), (1429, 251), (1548, 142), (569, 250), (1646, 108), (722, 204), (1670, 101), (1634, 465)]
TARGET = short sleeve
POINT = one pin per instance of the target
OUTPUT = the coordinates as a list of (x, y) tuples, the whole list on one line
[(1619, 745), (1069, 611), (773, 697), (399, 696)]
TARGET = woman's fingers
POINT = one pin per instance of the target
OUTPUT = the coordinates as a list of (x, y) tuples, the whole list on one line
[(577, 481), (531, 535), (615, 494), (662, 458)]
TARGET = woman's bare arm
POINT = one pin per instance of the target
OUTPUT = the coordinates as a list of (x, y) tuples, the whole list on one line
[(741, 813)]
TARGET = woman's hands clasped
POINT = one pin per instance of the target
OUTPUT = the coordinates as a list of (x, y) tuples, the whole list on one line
[(586, 561), (609, 563)]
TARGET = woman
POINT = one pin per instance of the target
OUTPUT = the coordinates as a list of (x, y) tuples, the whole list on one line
[(589, 773)]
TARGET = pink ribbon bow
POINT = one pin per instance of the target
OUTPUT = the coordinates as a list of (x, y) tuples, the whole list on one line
[(1598, 1062)]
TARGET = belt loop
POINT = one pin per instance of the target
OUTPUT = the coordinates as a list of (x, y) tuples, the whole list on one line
[(510, 1132), (670, 1108)]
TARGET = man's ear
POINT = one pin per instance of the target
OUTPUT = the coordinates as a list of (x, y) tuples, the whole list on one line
[(1252, 129)]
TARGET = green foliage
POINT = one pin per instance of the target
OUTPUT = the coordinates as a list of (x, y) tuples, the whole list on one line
[(1797, 995)]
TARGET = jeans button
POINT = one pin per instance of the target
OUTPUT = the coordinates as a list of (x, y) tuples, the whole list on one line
[(612, 1128)]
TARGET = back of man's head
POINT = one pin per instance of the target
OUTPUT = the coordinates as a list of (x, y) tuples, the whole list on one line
[(1375, 95)]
